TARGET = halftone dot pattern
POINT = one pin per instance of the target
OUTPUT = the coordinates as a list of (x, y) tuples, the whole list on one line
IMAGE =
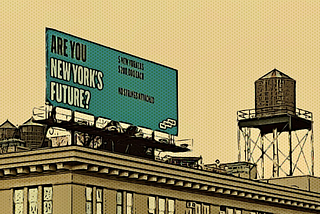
[(218, 47), (106, 77)]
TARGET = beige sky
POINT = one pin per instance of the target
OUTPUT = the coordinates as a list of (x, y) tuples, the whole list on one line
[(218, 47)]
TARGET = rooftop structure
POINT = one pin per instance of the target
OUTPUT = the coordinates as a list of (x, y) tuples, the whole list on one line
[(32, 133), (276, 114), (110, 136), (275, 93), (7, 130)]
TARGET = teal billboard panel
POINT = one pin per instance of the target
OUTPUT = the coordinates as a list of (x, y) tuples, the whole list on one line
[(87, 77)]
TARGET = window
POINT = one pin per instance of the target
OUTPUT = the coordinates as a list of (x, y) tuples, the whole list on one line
[(47, 200), (88, 200), (259, 212), (206, 209), (18, 201), (33, 200), (230, 210), (119, 202), (163, 205), (99, 201), (152, 205), (129, 203), (170, 206), (125, 202), (198, 208), (94, 200), (32, 197)]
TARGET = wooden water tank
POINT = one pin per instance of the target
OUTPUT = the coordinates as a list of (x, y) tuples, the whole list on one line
[(275, 94)]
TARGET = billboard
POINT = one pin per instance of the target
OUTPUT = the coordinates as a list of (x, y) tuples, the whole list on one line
[(87, 77)]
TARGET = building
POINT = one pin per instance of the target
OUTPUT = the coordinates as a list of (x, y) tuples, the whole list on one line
[(108, 169), (75, 179)]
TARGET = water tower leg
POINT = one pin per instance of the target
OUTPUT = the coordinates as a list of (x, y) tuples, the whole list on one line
[(312, 152), (290, 154), (249, 145), (290, 149), (247, 136), (239, 146), (278, 166), (275, 169), (262, 155), (245, 144)]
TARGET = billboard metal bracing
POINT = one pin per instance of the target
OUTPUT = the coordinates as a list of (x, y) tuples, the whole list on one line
[(87, 77)]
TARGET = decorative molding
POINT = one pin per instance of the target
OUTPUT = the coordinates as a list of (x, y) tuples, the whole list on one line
[(153, 178), (49, 167), (23, 170), (36, 168), (114, 172), (104, 170), (10, 171), (162, 180), (143, 177), (87, 161), (124, 174), (134, 175), (93, 169)]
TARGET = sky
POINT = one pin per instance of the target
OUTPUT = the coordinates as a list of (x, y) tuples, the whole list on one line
[(218, 47)]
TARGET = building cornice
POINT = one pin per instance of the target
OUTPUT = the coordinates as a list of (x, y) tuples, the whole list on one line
[(75, 158)]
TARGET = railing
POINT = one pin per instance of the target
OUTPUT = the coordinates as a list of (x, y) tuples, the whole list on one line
[(61, 114), (246, 114), (304, 114), (271, 111)]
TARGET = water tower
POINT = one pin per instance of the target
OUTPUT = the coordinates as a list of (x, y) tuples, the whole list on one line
[(276, 115)]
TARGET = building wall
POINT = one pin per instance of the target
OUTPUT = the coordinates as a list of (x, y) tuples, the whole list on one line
[(72, 172), (70, 198), (62, 199), (78, 199), (6, 201)]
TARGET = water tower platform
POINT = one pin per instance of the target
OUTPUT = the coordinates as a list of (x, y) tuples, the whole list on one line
[(282, 121)]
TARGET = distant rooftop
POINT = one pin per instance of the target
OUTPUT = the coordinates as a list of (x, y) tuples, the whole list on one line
[(303, 182)]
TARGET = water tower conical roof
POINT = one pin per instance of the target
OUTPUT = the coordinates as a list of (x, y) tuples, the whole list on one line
[(31, 123), (7, 125), (275, 74)]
